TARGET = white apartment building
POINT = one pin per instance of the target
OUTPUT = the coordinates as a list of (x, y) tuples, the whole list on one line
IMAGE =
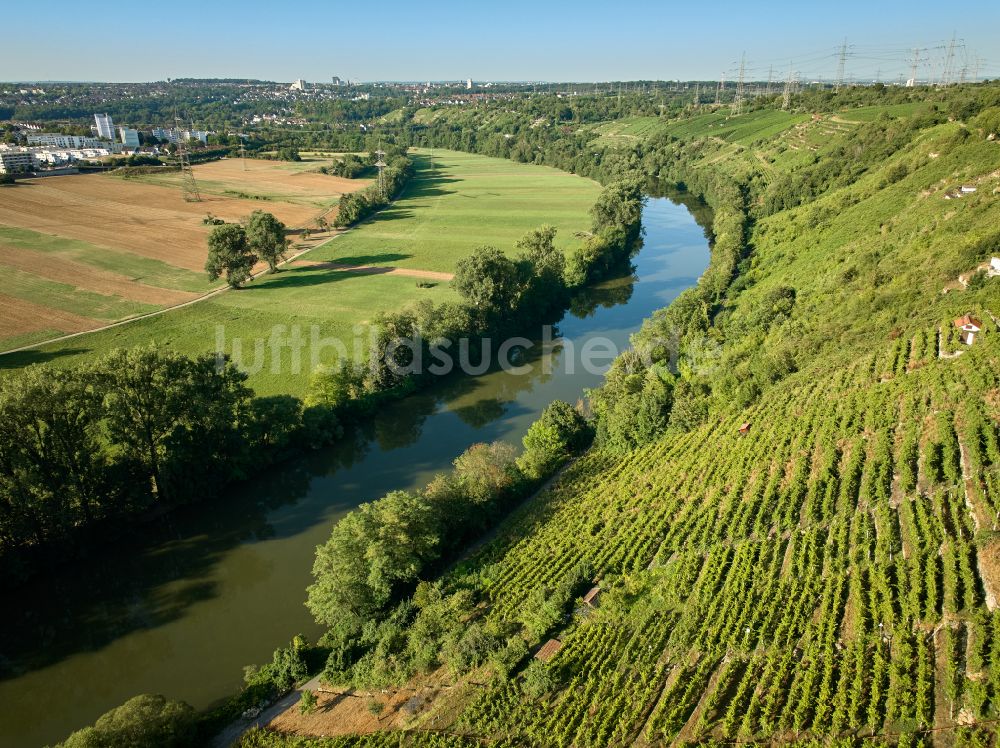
[(173, 135), (105, 126), (58, 140)]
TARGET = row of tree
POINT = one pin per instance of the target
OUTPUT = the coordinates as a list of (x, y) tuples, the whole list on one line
[(356, 206), (88, 449), (378, 552)]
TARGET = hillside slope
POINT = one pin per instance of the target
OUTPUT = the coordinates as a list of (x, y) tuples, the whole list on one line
[(828, 571)]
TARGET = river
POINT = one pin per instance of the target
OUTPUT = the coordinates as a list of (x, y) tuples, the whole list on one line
[(182, 608)]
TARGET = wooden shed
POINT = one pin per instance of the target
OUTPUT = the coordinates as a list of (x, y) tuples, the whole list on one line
[(592, 597), (548, 650)]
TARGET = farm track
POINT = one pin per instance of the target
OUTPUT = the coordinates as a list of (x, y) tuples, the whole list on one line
[(376, 270)]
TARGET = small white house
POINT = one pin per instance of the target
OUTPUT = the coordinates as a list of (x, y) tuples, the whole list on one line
[(967, 189), (969, 326), (994, 268)]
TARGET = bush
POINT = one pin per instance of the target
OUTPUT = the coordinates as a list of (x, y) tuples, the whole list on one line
[(557, 434), (538, 681), (307, 704)]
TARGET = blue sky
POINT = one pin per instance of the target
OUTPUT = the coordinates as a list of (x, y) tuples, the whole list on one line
[(513, 40)]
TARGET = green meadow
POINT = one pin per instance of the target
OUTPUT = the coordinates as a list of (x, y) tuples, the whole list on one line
[(451, 207), (458, 201)]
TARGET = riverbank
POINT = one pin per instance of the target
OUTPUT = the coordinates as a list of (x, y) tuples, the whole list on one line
[(159, 610)]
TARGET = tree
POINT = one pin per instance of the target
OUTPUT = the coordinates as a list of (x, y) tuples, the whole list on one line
[(50, 453), (157, 404), (229, 253), (141, 721), (488, 280), (370, 553), (266, 238), (541, 267)]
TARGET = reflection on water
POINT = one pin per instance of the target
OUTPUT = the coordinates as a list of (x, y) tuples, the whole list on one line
[(180, 608)]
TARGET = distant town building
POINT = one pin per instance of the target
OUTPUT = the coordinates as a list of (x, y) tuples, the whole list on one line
[(15, 162), (105, 126), (468, 83), (299, 85), (337, 81), (174, 135), (129, 137), (58, 140)]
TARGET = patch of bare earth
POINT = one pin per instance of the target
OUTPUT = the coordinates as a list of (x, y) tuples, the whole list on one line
[(87, 278), (265, 176), (21, 317), (342, 712), (988, 559), (376, 270)]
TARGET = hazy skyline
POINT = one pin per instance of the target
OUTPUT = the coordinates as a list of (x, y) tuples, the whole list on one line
[(515, 41)]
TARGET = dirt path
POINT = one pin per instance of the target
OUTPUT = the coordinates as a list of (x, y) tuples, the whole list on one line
[(378, 269), (233, 732)]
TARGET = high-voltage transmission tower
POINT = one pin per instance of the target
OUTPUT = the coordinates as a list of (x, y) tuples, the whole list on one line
[(841, 67), (380, 165), (740, 91), (948, 71), (786, 98), (914, 64), (718, 91), (189, 187)]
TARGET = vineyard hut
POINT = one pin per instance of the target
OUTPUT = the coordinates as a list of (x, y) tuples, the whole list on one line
[(592, 597), (968, 327), (994, 266), (548, 650), (745, 427)]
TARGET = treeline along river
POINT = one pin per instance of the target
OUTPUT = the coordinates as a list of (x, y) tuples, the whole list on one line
[(180, 608)]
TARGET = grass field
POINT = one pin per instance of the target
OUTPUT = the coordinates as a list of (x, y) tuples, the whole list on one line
[(78, 252), (466, 201), (458, 201)]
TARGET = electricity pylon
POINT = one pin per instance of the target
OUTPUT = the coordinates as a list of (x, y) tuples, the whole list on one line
[(380, 165), (738, 101), (189, 186), (841, 66), (786, 98)]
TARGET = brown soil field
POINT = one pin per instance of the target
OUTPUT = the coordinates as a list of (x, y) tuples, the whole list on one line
[(289, 181), (20, 317), (87, 278), (145, 219)]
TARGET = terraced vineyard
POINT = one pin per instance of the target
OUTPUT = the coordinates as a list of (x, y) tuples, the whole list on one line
[(831, 572)]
